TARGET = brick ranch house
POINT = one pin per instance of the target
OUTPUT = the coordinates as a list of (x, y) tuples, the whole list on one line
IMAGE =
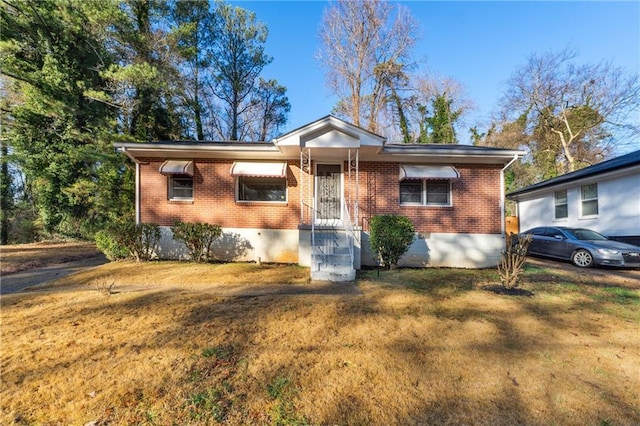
[(308, 196)]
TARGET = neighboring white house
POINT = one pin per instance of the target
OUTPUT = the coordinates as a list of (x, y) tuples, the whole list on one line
[(604, 197)]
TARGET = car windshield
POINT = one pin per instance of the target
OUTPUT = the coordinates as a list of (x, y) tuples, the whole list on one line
[(585, 234)]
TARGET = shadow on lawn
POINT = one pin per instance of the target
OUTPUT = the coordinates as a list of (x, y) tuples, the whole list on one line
[(377, 393)]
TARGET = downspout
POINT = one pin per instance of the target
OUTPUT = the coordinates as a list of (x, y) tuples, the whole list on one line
[(137, 189), (502, 196)]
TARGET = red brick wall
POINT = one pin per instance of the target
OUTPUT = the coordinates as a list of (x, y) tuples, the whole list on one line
[(475, 199), (214, 199)]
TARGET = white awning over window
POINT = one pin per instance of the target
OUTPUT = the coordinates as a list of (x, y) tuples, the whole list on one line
[(414, 171), (259, 169), (177, 167)]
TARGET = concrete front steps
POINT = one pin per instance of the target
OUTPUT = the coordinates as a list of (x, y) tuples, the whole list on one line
[(330, 258)]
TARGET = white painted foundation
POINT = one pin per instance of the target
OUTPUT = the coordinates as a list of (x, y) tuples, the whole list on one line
[(294, 246), (445, 250), (240, 244)]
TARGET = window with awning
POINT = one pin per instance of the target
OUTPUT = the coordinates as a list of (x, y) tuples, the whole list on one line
[(426, 185), (276, 169), (260, 181), (419, 171), (177, 167)]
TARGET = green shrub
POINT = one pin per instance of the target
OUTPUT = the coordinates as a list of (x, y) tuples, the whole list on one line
[(391, 236), (139, 240), (108, 244), (197, 237)]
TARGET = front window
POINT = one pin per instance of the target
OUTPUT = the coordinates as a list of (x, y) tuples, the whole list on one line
[(262, 189), (425, 192), (562, 210), (180, 187), (589, 199)]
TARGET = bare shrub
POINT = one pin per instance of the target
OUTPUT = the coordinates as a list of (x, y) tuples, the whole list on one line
[(104, 285), (512, 260)]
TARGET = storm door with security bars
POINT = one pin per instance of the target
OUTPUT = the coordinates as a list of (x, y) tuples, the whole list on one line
[(328, 194)]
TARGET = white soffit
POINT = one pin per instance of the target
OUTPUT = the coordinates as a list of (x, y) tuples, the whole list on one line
[(177, 167), (259, 169), (428, 172)]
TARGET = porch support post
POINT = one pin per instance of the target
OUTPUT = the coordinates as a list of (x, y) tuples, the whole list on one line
[(354, 166), (305, 171)]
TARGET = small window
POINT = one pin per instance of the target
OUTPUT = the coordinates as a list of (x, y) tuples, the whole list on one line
[(438, 192), (180, 187), (562, 209), (267, 189), (425, 192), (589, 199), (411, 192)]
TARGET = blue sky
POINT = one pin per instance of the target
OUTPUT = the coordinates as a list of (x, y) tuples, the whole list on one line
[(479, 44)]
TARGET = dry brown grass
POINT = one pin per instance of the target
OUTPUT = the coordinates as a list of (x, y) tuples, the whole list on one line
[(22, 257), (173, 345)]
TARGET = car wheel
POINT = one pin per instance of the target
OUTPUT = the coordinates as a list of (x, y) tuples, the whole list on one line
[(582, 258)]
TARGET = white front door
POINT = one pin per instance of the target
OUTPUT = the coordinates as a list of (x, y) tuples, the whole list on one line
[(329, 194)]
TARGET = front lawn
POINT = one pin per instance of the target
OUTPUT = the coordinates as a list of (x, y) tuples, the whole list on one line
[(171, 345)]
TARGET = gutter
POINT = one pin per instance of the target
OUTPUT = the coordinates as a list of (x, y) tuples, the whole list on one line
[(502, 195), (124, 150)]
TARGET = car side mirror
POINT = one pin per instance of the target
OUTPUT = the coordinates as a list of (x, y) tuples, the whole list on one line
[(558, 237)]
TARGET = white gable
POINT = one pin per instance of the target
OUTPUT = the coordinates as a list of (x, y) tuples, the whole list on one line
[(329, 132), (329, 138)]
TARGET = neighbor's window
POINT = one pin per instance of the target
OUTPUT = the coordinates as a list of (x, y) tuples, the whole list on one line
[(425, 192), (180, 187), (268, 189), (590, 199), (562, 210)]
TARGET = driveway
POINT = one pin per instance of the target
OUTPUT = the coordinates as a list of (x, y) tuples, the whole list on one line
[(630, 277), (19, 281)]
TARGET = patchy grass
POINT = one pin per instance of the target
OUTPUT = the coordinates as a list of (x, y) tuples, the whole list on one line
[(173, 344), (21, 257)]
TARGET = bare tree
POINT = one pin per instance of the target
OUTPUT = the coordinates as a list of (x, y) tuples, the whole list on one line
[(356, 37), (572, 115)]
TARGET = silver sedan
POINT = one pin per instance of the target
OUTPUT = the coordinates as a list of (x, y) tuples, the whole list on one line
[(583, 247)]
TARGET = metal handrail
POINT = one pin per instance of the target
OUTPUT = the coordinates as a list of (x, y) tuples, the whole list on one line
[(348, 227)]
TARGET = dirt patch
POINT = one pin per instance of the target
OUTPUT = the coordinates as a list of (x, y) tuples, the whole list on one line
[(499, 289), (25, 257)]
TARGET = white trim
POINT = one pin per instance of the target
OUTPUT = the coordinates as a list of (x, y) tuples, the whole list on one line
[(137, 190)]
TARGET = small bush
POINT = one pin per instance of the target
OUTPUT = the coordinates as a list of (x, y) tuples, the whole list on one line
[(197, 237), (140, 239), (108, 244), (512, 260), (137, 240), (391, 236)]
